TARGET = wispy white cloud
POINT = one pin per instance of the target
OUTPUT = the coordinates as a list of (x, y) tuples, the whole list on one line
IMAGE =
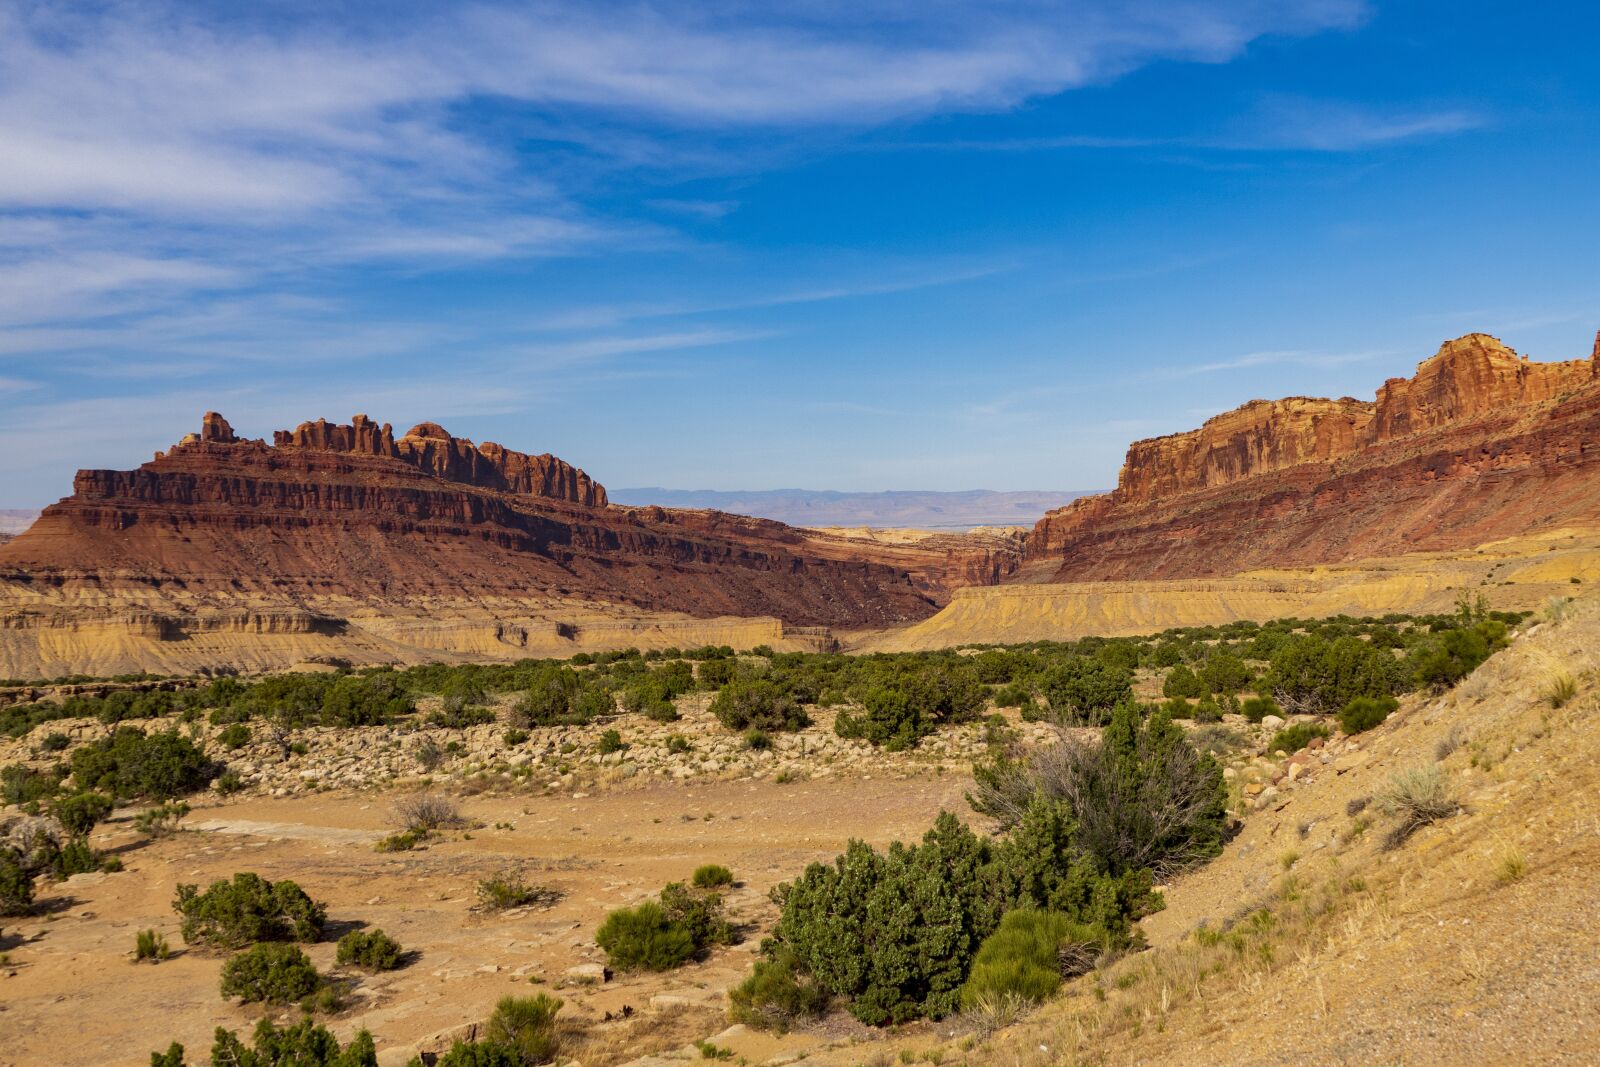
[(1275, 124), (1321, 360), (1304, 124), (700, 209)]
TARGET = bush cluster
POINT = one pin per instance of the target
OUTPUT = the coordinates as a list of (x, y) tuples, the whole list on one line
[(303, 1044), (666, 933), (895, 933), (371, 950), (912, 705), (758, 703), (520, 1033), (1028, 954), (131, 763), (1363, 713), (271, 972), (1142, 796), (246, 910)]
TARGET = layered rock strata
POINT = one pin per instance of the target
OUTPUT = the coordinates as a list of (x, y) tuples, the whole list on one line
[(1479, 444)]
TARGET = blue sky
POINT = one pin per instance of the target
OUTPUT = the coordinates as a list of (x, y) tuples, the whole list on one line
[(723, 245)]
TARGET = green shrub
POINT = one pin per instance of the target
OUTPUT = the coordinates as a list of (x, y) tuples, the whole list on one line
[(716, 673), (1142, 797), (651, 697), (1083, 691), (16, 884), (712, 876), (643, 938), (906, 707), (461, 718), (229, 782), (757, 740), (474, 1054), (81, 812), (677, 744), (1026, 954), (162, 819), (1295, 736), (549, 698), (1012, 696), (895, 932), (366, 700), (304, 1044), (54, 742), (776, 995), (149, 945), (514, 737), (270, 972), (595, 702), (1257, 708), (1224, 673), (610, 741), (235, 736), (25, 787), (1363, 713), (131, 763), (1317, 675), (1182, 683), (699, 911), (76, 857), (404, 841), (526, 1027), (759, 703), (246, 910), (371, 950), (1207, 711), (1451, 655)]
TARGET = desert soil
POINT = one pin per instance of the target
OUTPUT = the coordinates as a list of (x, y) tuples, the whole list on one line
[(72, 993)]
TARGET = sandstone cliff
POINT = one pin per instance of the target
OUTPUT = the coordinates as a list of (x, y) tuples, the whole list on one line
[(330, 523), (1480, 443)]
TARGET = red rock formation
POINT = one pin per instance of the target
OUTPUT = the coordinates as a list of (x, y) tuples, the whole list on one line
[(351, 511), (429, 448), (1480, 443)]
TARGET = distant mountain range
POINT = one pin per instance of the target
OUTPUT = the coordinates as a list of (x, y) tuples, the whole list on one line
[(14, 520), (823, 507)]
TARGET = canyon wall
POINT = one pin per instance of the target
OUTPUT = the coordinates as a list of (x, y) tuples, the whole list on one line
[(398, 547), (1480, 443)]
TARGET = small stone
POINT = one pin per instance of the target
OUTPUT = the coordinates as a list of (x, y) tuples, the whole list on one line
[(588, 972)]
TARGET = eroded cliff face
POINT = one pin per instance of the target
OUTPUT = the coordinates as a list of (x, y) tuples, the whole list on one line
[(429, 448), (352, 511), (1480, 443)]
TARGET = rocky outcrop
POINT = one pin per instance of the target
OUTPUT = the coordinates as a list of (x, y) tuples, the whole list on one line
[(1480, 443), (429, 448), (343, 520)]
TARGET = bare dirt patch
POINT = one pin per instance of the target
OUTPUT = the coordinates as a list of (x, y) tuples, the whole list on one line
[(72, 979)]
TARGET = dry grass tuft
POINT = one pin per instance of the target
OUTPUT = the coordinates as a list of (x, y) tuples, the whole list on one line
[(1417, 797), (1560, 690), (1513, 866), (1448, 744)]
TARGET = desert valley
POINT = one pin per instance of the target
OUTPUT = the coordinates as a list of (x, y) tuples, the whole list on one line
[(463, 722), (598, 533)]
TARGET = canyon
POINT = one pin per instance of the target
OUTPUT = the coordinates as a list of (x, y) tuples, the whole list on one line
[(348, 542)]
